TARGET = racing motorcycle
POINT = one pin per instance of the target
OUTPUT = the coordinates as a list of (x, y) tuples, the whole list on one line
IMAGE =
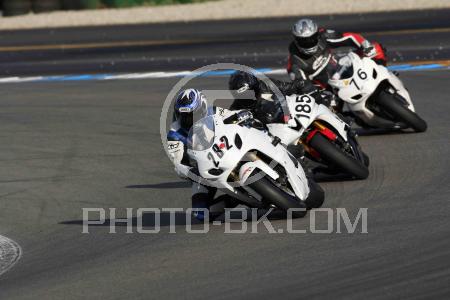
[(325, 137), (242, 160), (373, 94)]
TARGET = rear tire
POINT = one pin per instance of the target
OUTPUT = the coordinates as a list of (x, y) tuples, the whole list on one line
[(273, 195), (332, 155), (397, 109)]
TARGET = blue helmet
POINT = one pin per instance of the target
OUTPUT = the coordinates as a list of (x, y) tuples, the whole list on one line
[(188, 102)]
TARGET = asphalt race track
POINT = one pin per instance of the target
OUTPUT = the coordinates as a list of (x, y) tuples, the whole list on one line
[(68, 146), (65, 146), (408, 36)]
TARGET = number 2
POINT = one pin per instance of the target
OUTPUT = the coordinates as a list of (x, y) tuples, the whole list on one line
[(224, 139), (211, 157), (218, 150)]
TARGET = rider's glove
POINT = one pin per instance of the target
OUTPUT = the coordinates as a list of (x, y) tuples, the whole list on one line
[(243, 116), (324, 97), (176, 152), (368, 49), (304, 86), (182, 170)]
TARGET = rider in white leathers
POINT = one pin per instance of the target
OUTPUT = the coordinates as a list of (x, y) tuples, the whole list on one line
[(189, 104)]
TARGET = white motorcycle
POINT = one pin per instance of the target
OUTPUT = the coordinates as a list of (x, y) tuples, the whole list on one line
[(373, 94), (325, 137), (248, 164)]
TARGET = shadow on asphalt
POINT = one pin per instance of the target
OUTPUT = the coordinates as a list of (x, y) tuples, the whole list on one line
[(148, 220), (179, 219), (320, 176), (162, 185), (380, 131)]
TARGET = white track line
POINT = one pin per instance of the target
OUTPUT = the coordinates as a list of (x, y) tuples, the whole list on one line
[(96, 77), (10, 253)]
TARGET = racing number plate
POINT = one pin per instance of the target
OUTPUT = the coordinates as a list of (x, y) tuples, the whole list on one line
[(218, 150), (303, 106), (358, 83)]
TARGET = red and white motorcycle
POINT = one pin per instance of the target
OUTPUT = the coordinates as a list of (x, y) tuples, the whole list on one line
[(373, 94), (326, 138)]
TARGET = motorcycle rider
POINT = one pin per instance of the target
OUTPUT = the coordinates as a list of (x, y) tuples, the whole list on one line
[(310, 51), (264, 109), (190, 104)]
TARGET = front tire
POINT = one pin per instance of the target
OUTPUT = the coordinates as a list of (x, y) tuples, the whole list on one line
[(316, 195), (334, 156), (394, 107), (270, 193)]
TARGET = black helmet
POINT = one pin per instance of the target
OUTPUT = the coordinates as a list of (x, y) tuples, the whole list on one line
[(188, 102), (241, 82), (306, 36)]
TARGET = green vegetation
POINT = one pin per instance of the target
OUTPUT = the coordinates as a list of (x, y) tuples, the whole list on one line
[(128, 3), (89, 4), (20, 7)]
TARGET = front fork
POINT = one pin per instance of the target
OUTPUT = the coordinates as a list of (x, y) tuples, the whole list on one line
[(317, 128)]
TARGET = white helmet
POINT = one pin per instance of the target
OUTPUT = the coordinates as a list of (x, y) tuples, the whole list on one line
[(306, 36)]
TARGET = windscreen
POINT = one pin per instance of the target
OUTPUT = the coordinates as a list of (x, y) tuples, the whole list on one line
[(202, 134), (344, 68)]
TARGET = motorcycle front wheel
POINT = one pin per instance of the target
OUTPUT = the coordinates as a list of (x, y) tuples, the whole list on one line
[(394, 107), (334, 156), (272, 194)]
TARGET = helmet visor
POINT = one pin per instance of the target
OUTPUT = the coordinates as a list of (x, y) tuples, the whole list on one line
[(186, 119), (308, 42)]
